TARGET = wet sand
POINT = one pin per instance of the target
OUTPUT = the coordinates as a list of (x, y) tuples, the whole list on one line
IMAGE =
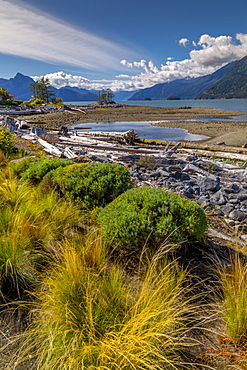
[(232, 133)]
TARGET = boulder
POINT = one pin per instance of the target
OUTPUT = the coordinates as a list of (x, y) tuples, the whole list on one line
[(237, 215), (211, 183)]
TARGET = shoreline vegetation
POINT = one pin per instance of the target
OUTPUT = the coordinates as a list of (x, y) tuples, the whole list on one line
[(98, 271), (232, 132)]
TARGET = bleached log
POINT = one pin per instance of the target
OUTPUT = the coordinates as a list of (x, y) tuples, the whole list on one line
[(166, 148), (82, 140), (174, 148), (68, 153), (50, 148), (127, 136), (76, 109), (209, 153)]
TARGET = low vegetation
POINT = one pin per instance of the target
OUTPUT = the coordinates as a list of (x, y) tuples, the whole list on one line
[(149, 215), (89, 185), (36, 170), (63, 229)]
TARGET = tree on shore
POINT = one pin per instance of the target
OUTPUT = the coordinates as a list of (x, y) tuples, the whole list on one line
[(42, 89), (106, 96)]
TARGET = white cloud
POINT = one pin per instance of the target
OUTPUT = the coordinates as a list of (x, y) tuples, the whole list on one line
[(26, 32), (211, 54), (216, 51), (62, 79), (123, 76), (183, 42)]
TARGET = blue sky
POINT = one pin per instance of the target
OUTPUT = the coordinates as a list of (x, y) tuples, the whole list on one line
[(124, 45)]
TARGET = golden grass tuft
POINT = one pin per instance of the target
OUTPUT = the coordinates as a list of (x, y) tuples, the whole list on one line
[(91, 315), (234, 285), (31, 225)]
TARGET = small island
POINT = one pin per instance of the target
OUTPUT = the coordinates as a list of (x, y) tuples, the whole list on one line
[(173, 97)]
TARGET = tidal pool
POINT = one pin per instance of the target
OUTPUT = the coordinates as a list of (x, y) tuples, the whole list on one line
[(144, 130)]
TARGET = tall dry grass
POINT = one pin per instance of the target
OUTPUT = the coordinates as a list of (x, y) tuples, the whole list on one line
[(234, 305), (31, 224), (91, 315), (230, 349)]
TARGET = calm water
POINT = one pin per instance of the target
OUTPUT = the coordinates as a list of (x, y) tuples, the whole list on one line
[(147, 130), (226, 104), (144, 130)]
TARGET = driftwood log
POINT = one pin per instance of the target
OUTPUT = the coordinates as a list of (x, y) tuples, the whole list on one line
[(218, 154), (127, 137), (50, 148)]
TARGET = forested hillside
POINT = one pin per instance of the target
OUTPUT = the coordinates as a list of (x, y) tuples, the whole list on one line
[(232, 85)]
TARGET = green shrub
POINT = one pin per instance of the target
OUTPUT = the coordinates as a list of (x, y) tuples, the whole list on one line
[(151, 214), (6, 141), (33, 101), (35, 173), (37, 101), (90, 185), (26, 103), (17, 167), (11, 102)]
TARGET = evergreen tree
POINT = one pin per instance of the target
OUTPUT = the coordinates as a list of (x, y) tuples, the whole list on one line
[(106, 96), (42, 89)]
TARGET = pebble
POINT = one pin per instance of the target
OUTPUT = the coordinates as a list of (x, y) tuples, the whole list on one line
[(229, 222)]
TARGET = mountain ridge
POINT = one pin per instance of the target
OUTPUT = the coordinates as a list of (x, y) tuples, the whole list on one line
[(232, 85), (184, 89)]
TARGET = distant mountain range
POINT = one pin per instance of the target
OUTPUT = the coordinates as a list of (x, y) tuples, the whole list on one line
[(227, 82), (75, 94), (183, 89), (19, 86)]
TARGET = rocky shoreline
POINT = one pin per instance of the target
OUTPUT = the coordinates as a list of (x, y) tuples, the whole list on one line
[(219, 188)]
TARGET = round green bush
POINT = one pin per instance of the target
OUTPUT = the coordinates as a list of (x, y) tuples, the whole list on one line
[(150, 215), (90, 185), (36, 172)]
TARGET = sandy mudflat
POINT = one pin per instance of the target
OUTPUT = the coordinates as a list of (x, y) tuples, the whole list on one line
[(232, 133)]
